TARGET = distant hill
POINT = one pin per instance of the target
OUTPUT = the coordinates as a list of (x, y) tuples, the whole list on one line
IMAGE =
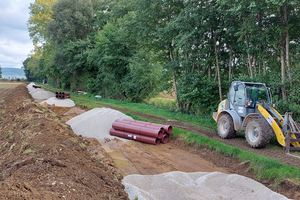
[(12, 71)]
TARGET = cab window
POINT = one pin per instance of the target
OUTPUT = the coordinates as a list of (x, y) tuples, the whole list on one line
[(240, 96), (237, 97)]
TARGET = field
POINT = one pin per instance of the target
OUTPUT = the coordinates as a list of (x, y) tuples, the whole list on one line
[(41, 157)]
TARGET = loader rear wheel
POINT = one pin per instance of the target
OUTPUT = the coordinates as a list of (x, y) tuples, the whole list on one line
[(226, 127), (258, 133)]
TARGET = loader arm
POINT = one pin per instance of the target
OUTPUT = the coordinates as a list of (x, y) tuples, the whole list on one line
[(277, 130)]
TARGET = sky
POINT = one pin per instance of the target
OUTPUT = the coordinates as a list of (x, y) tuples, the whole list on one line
[(15, 43)]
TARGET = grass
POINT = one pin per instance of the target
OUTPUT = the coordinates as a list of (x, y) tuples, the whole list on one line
[(9, 133), (75, 139), (162, 102), (2, 85), (29, 150), (263, 167)]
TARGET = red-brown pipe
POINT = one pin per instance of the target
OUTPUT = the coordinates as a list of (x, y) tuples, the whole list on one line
[(136, 123), (140, 138), (165, 138), (155, 132), (167, 128)]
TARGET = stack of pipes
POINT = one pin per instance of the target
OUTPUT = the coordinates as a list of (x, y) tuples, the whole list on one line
[(35, 86), (62, 95), (147, 132)]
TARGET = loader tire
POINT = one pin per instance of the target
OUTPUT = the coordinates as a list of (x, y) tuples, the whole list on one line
[(226, 127), (258, 133)]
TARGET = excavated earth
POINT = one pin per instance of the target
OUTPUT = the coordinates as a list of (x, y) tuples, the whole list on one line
[(40, 157)]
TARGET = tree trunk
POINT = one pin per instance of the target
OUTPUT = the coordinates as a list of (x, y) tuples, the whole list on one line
[(287, 45), (230, 65), (174, 78), (264, 67), (58, 82), (218, 69), (283, 70)]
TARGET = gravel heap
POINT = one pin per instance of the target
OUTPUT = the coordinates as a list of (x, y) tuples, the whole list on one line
[(59, 102), (196, 186), (96, 123)]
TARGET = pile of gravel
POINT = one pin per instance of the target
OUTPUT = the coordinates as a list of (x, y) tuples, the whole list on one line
[(196, 186), (96, 123), (59, 102)]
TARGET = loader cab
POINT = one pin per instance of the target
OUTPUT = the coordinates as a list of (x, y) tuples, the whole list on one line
[(243, 96)]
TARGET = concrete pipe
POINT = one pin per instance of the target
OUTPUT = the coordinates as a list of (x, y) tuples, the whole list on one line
[(131, 136), (155, 132)]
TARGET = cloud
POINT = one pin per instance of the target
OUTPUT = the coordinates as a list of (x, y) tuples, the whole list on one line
[(15, 44)]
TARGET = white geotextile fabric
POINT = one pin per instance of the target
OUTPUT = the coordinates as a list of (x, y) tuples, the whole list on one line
[(96, 123), (197, 186), (59, 102), (30, 86), (38, 93), (42, 94)]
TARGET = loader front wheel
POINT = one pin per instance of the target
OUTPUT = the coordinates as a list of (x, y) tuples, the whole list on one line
[(226, 127), (258, 133)]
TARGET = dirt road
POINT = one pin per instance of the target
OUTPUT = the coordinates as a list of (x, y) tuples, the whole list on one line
[(271, 150)]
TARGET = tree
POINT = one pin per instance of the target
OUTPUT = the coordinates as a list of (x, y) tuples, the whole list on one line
[(0, 72), (40, 16), (71, 21)]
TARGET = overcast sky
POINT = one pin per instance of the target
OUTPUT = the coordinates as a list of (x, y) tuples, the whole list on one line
[(15, 44)]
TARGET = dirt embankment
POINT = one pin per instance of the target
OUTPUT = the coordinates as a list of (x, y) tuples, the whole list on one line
[(40, 157)]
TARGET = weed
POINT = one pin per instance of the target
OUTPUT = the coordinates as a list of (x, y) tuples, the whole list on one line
[(9, 133), (75, 139), (35, 125), (29, 150)]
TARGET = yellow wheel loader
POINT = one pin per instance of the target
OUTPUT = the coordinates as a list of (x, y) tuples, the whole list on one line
[(249, 107)]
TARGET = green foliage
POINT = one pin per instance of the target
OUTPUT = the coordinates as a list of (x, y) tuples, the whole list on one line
[(200, 91), (130, 50), (143, 78), (71, 21), (0, 72)]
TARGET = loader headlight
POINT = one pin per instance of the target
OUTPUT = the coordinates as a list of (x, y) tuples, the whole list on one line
[(248, 103)]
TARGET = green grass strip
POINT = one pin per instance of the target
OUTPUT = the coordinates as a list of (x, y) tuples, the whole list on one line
[(262, 166)]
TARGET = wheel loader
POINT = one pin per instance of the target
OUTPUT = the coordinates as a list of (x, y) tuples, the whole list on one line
[(249, 107)]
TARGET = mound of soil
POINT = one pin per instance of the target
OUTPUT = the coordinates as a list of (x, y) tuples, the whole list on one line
[(40, 157)]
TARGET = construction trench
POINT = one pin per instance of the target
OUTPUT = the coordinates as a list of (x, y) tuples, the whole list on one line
[(70, 154)]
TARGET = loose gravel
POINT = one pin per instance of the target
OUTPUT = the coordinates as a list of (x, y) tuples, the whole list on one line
[(96, 123), (196, 186)]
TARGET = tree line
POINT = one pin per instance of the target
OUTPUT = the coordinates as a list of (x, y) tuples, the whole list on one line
[(132, 49)]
